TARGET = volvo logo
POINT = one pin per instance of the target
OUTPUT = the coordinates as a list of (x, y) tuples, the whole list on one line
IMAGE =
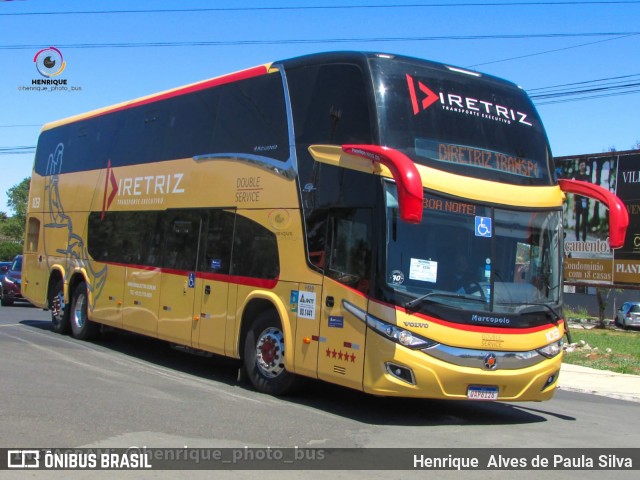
[(490, 361)]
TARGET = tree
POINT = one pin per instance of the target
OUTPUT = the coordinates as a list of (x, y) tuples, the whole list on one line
[(602, 295), (12, 228), (18, 199), (8, 250)]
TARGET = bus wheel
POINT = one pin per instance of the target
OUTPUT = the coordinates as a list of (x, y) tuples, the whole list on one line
[(59, 314), (264, 352), (81, 327)]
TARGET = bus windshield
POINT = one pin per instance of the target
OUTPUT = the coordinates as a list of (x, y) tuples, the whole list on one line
[(472, 257), (453, 121)]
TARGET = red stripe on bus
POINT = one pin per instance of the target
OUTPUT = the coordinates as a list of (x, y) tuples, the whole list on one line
[(218, 277)]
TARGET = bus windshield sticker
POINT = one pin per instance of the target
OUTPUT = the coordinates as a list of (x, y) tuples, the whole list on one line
[(423, 270), (483, 227), (396, 278)]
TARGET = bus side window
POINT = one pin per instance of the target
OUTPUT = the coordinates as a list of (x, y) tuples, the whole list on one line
[(329, 105), (255, 250), (349, 250), (251, 118), (317, 237), (217, 240), (182, 231)]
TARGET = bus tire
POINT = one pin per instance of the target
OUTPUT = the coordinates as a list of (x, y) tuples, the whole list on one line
[(263, 356), (57, 307), (81, 327)]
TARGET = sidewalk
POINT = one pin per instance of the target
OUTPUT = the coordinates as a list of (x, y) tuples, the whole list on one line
[(575, 378)]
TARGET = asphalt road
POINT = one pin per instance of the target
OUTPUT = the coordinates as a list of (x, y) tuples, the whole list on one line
[(125, 390)]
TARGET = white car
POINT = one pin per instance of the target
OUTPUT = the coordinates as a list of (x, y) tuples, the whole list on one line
[(628, 315)]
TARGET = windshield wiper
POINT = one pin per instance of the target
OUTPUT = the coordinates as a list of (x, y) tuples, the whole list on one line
[(411, 305)]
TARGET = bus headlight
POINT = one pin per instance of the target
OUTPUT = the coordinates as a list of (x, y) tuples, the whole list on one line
[(552, 349), (399, 335)]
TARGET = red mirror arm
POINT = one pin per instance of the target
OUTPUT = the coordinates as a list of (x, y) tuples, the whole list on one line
[(618, 215), (405, 173)]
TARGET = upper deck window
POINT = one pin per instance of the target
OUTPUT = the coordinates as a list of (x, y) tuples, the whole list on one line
[(246, 117)]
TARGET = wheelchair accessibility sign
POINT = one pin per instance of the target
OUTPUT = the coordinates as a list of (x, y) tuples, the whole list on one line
[(483, 227)]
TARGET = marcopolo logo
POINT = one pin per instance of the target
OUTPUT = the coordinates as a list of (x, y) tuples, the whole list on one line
[(50, 62)]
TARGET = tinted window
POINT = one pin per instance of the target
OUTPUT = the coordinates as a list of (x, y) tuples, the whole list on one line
[(478, 127), (255, 251), (330, 106), (132, 238), (217, 241), (247, 117), (182, 231), (252, 119), (182, 239), (349, 251)]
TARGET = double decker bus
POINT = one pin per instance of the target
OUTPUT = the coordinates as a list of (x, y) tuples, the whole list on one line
[(384, 223)]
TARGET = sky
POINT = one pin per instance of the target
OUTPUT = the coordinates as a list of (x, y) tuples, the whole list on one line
[(118, 50)]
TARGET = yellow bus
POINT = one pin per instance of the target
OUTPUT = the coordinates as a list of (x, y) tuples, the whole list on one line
[(380, 222)]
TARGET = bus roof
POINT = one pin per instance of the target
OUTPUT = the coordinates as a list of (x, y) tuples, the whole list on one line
[(201, 85), (360, 57), (357, 57)]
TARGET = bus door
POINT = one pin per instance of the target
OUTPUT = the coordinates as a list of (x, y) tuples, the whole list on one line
[(34, 262), (344, 300), (212, 284), (176, 321)]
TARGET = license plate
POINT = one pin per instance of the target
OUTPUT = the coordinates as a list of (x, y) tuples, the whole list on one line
[(482, 393)]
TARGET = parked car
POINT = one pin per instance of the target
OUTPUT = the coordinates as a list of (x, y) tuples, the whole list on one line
[(4, 268), (10, 283), (628, 315)]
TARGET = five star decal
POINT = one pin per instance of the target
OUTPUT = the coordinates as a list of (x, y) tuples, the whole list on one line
[(340, 355)]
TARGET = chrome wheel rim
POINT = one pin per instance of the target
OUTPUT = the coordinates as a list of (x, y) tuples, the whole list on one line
[(270, 352), (79, 311)]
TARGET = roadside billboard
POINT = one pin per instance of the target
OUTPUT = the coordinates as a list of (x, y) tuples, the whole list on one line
[(588, 258)]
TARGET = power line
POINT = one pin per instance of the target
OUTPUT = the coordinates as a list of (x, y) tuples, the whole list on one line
[(331, 7), (323, 40), (589, 97), (23, 150), (550, 51), (583, 82), (568, 93)]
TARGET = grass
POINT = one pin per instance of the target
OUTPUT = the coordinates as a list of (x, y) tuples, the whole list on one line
[(624, 345)]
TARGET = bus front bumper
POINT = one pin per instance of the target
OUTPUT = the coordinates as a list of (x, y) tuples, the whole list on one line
[(393, 370)]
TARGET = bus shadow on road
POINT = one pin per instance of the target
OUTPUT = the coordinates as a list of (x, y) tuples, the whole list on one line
[(318, 395)]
